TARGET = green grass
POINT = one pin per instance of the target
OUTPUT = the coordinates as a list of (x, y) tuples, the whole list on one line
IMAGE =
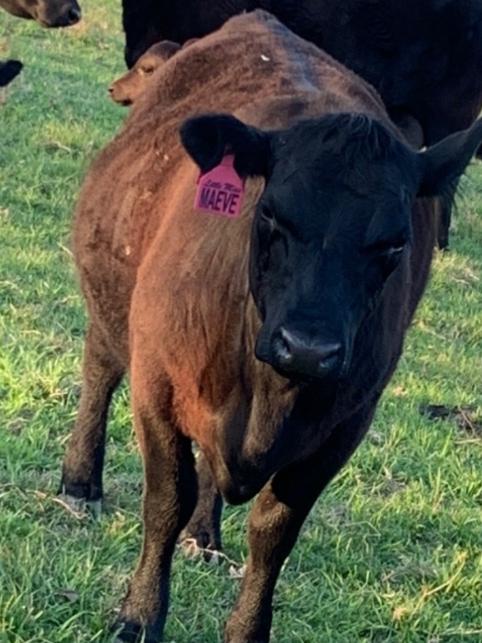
[(393, 550)]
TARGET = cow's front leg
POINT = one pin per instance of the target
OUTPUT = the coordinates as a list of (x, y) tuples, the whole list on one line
[(84, 459), (275, 522), (170, 491), (204, 528)]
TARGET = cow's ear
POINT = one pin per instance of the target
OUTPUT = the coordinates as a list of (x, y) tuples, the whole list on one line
[(444, 163), (208, 138)]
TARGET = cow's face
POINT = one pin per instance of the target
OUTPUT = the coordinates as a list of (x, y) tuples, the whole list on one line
[(127, 89), (49, 13), (331, 227)]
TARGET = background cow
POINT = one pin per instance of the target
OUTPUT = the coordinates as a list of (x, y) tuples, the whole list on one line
[(318, 277), (126, 89), (424, 58), (49, 13), (9, 69), (412, 52)]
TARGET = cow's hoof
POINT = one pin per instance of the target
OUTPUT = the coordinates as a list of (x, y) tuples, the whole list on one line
[(129, 632), (80, 497), (202, 538), (126, 632), (80, 506), (90, 491), (191, 548)]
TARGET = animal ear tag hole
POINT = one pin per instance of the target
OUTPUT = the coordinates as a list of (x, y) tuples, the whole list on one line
[(221, 190)]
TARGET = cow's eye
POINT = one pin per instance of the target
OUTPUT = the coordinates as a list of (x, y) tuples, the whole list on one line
[(393, 249), (387, 255), (147, 70)]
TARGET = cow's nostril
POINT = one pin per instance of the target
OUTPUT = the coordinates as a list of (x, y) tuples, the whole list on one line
[(73, 16), (111, 89), (303, 355), (282, 348), (328, 356)]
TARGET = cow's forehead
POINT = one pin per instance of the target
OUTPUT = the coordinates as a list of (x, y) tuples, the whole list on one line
[(328, 177), (339, 144), (312, 205)]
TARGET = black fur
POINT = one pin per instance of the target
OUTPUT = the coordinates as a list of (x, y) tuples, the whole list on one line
[(412, 52), (209, 138), (9, 69)]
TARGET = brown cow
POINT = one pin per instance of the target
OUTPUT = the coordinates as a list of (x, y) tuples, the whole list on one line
[(126, 89), (49, 13), (318, 277)]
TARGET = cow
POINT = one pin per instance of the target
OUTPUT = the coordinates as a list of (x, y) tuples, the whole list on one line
[(9, 69), (48, 13), (263, 324), (424, 58), (411, 52), (126, 89)]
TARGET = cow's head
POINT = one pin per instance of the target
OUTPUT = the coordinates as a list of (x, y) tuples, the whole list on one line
[(127, 89), (49, 13), (332, 225)]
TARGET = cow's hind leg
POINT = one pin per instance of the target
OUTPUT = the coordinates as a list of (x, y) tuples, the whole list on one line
[(170, 492), (274, 524), (84, 458), (445, 219), (203, 532)]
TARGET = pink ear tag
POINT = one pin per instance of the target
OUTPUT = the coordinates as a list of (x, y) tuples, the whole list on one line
[(221, 190)]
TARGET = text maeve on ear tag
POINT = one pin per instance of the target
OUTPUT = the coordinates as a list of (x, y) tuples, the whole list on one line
[(221, 190)]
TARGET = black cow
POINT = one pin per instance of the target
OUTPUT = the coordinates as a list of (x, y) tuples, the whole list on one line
[(9, 69), (48, 13), (424, 58)]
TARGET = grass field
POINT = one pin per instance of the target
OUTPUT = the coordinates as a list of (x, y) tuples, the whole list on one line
[(393, 550)]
